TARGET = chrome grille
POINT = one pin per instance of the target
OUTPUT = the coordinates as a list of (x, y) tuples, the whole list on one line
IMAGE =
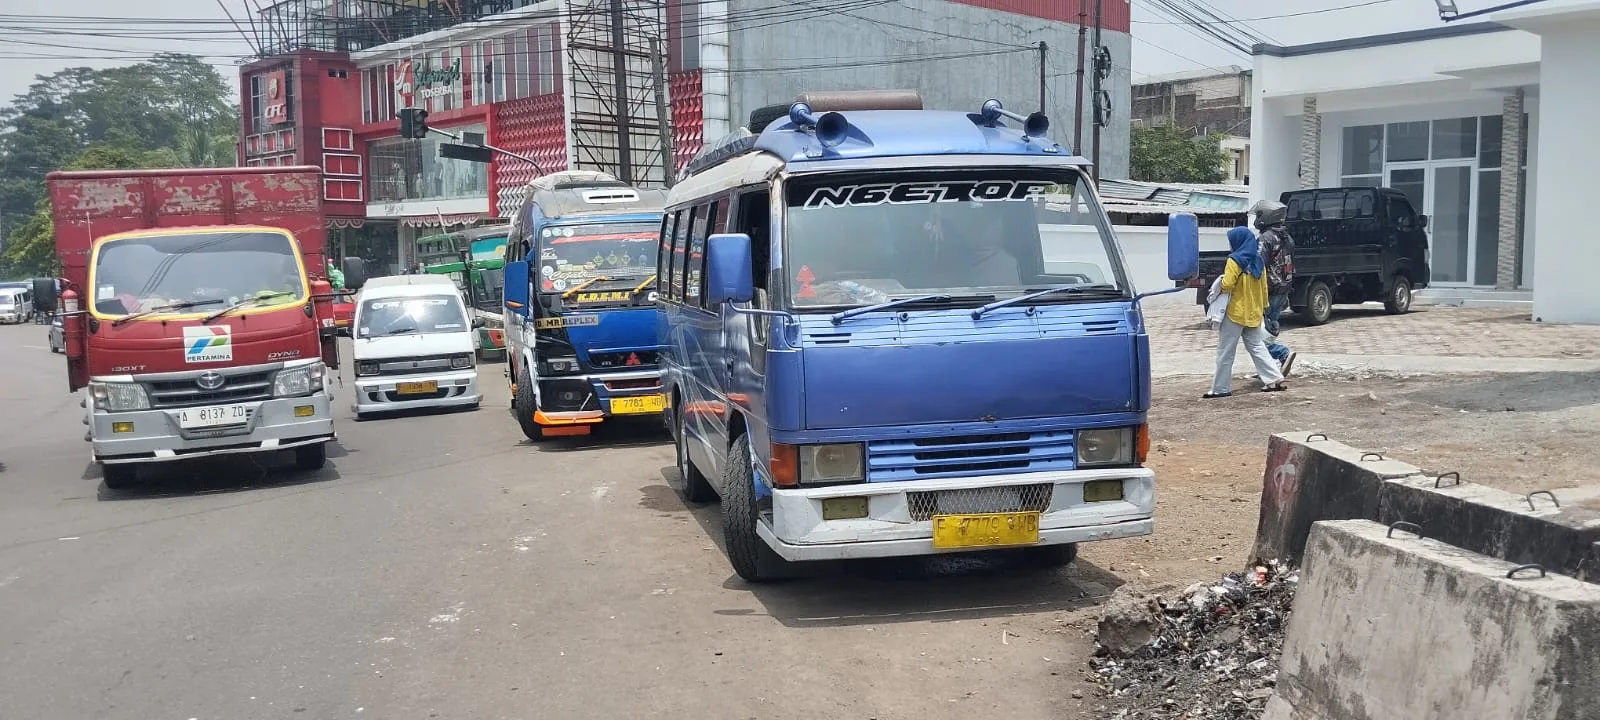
[(971, 501), (413, 365), (969, 455), (176, 393)]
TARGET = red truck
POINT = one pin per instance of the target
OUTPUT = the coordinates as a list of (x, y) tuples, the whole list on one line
[(195, 314)]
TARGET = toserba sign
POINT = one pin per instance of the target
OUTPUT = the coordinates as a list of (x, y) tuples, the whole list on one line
[(430, 82)]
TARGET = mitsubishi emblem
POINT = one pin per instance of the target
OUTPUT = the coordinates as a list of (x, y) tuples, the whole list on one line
[(209, 380)]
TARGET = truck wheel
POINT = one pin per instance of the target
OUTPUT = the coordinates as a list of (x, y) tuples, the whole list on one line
[(522, 404), (696, 488), (1399, 300), (1319, 303), (120, 476), (310, 458), (749, 554), (1051, 556)]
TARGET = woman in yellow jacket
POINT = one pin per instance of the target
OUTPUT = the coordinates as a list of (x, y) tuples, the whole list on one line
[(1245, 281)]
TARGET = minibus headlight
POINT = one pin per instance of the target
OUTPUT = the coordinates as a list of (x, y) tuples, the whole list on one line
[(830, 464), (1105, 446)]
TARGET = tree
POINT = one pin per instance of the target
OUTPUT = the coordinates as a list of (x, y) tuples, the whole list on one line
[(1167, 153), (172, 110)]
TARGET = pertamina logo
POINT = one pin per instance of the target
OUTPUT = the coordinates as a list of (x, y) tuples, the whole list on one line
[(207, 344)]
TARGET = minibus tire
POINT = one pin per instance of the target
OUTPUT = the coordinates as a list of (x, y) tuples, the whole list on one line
[(752, 559), (696, 488), (1051, 556), (119, 476), (522, 405), (310, 458)]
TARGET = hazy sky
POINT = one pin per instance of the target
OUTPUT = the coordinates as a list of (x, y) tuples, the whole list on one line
[(31, 46)]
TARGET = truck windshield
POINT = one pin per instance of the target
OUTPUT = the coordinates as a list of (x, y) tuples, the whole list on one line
[(597, 256), (139, 274), (422, 314), (975, 235)]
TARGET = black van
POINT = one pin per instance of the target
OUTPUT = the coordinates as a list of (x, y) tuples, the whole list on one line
[(1352, 245)]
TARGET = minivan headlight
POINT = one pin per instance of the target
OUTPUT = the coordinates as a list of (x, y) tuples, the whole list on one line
[(292, 382), (1105, 446), (829, 464), (119, 396), (461, 362)]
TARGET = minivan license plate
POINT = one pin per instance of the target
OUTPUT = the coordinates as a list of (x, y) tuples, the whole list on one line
[(213, 416)]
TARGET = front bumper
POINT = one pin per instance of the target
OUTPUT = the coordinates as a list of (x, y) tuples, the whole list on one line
[(796, 530), (592, 398), (156, 437), (379, 394), (10, 317)]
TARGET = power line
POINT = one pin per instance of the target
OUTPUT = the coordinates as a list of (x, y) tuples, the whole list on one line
[(1276, 17), (1198, 29)]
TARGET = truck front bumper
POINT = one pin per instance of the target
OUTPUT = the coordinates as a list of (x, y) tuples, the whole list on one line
[(155, 436), (899, 514)]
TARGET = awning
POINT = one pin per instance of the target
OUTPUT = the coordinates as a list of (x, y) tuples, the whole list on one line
[(419, 221), (345, 222)]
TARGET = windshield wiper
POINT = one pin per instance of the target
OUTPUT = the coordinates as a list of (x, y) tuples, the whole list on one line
[(1035, 294), (169, 307), (936, 298), (247, 301), (401, 331)]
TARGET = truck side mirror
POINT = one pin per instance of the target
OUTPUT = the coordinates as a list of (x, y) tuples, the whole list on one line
[(477, 322), (728, 263), (1422, 222), (1183, 246), (515, 292)]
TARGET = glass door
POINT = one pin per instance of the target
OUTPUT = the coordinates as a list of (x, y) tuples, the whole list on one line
[(1444, 192)]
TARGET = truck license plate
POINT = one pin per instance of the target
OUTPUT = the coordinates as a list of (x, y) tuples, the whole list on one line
[(986, 530), (213, 416), (636, 405)]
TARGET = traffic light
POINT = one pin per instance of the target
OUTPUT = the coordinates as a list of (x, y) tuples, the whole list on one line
[(413, 123)]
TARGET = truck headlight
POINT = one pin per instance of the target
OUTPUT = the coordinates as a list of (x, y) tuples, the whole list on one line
[(461, 362), (830, 464), (1105, 446), (119, 396), (559, 365), (296, 381)]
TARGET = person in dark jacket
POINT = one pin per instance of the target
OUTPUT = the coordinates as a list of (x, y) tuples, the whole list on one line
[(1277, 250)]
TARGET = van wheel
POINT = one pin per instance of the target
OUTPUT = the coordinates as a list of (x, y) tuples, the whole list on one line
[(119, 477), (752, 559), (1051, 556), (310, 458), (1319, 303), (523, 405), (696, 488), (1399, 300)]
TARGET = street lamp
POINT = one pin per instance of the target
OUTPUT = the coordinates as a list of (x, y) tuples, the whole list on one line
[(1449, 13)]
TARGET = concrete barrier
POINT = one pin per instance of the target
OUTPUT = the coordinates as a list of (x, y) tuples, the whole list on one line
[(1402, 628), (1310, 478)]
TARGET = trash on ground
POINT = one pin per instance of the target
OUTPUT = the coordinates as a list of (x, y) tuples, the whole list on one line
[(1209, 652)]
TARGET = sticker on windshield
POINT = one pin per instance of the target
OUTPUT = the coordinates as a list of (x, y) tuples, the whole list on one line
[(208, 344), (551, 323), (916, 193), (620, 296)]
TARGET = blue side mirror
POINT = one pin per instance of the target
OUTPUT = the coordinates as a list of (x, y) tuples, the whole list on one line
[(1183, 246), (515, 290), (728, 265)]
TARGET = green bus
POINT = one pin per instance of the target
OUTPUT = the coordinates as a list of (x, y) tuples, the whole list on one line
[(474, 259)]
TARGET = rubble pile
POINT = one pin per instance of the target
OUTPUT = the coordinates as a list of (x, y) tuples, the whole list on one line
[(1209, 652)]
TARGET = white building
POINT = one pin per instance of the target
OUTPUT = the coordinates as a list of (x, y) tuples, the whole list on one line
[(1445, 115)]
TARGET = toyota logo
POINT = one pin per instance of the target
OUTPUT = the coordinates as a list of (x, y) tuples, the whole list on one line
[(209, 381)]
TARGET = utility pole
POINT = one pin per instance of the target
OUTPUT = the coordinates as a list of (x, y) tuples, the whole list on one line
[(1043, 48), (663, 120), (1077, 101), (619, 66), (1099, 118)]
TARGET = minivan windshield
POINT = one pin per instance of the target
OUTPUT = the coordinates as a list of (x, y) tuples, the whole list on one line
[(420, 314), (597, 256), (976, 235), (195, 272)]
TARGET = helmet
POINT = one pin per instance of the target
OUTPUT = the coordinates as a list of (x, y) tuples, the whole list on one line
[(1269, 213)]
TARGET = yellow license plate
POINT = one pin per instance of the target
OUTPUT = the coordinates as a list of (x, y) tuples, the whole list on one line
[(416, 388), (636, 405), (986, 530)]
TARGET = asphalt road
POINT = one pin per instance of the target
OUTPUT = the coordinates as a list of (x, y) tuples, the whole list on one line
[(443, 567)]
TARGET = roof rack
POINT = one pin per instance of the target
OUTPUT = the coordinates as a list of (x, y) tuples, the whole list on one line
[(730, 146)]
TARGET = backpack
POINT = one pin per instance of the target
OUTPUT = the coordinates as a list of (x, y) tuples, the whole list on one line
[(1280, 260)]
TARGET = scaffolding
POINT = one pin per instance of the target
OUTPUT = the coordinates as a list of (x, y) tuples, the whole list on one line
[(616, 60), (355, 25)]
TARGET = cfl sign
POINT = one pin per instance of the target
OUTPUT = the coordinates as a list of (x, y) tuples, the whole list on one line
[(275, 101)]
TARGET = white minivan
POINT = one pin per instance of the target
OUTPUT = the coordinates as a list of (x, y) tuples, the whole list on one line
[(414, 345), (16, 305)]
